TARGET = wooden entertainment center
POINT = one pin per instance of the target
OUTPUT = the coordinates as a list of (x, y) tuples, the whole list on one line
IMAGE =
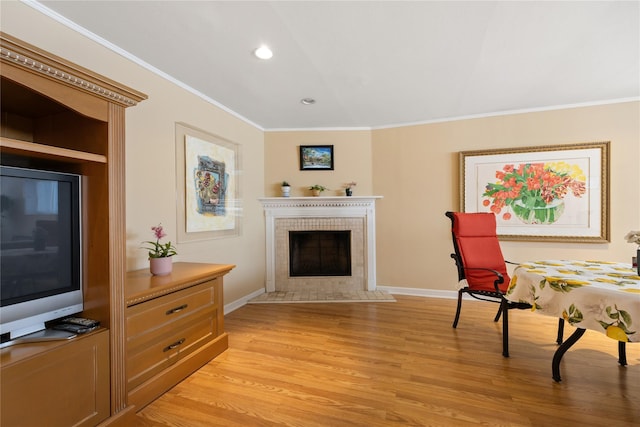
[(59, 116)]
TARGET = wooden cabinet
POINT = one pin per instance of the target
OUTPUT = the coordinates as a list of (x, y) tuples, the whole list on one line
[(59, 116), (174, 325), (61, 383)]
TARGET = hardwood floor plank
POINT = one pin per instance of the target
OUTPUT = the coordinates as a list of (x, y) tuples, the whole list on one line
[(400, 364)]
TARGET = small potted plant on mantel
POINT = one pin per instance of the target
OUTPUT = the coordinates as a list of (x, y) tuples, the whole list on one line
[(286, 189), (349, 188), (317, 189)]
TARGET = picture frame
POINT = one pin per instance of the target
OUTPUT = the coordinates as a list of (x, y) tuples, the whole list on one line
[(548, 193), (316, 157), (207, 185)]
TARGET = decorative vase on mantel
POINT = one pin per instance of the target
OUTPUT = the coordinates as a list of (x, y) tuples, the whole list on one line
[(161, 266), (285, 188)]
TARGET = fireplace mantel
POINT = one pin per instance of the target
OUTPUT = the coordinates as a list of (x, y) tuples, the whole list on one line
[(290, 203), (321, 207)]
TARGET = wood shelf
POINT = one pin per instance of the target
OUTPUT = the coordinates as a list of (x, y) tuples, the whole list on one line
[(32, 149)]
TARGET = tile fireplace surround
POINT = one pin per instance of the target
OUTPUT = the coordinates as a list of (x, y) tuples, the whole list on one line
[(356, 214)]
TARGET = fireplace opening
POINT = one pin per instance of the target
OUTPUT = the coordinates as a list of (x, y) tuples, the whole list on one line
[(320, 253)]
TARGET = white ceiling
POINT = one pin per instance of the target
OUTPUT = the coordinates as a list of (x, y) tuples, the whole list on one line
[(372, 64)]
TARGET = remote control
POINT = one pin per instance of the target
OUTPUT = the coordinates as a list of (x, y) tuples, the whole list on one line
[(76, 329), (81, 321)]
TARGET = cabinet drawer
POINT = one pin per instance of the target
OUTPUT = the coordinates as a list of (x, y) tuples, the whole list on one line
[(145, 317), (149, 354)]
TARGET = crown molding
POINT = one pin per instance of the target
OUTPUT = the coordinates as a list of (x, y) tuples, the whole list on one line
[(37, 61)]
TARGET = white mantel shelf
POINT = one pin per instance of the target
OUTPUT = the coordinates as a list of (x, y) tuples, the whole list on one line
[(321, 207), (318, 201)]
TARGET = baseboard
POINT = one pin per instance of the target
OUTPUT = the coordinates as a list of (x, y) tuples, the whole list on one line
[(232, 306), (418, 292)]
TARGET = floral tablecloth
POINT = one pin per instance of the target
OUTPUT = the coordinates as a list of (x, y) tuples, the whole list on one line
[(603, 296)]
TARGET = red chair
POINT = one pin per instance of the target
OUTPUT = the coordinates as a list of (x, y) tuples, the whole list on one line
[(482, 271)]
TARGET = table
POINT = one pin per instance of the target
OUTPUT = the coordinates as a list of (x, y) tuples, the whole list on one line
[(597, 295)]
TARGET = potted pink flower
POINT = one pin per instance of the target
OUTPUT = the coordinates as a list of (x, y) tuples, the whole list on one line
[(160, 254), (349, 188)]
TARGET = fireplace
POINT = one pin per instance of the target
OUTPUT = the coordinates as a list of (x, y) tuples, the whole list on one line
[(336, 216), (320, 253)]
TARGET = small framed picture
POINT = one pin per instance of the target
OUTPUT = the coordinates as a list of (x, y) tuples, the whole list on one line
[(316, 157)]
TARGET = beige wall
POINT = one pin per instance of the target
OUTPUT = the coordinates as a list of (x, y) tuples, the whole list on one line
[(415, 169), (352, 162), (150, 152)]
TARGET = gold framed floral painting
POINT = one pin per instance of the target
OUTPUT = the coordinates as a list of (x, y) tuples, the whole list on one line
[(547, 193)]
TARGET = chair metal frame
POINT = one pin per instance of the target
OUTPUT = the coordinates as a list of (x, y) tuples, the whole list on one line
[(496, 296)]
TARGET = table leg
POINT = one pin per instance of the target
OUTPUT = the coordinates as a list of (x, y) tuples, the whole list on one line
[(560, 330), (622, 353), (505, 327), (557, 357)]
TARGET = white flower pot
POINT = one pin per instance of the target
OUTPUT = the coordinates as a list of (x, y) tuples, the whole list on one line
[(160, 266)]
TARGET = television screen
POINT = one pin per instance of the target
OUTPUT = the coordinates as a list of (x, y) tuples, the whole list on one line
[(40, 247)]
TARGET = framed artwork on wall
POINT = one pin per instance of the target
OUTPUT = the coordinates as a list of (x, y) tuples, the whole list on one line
[(207, 172), (548, 193), (316, 157)]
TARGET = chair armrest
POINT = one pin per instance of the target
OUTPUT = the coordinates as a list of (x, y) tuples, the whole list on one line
[(497, 282), (459, 267)]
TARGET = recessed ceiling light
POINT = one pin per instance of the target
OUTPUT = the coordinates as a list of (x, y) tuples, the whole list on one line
[(308, 101), (263, 52)]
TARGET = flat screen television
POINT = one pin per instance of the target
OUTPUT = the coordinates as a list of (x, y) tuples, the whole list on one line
[(40, 251)]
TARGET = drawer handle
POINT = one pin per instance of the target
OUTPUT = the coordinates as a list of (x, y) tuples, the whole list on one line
[(177, 309), (174, 345)]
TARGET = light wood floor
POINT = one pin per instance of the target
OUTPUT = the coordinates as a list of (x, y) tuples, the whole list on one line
[(401, 364)]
